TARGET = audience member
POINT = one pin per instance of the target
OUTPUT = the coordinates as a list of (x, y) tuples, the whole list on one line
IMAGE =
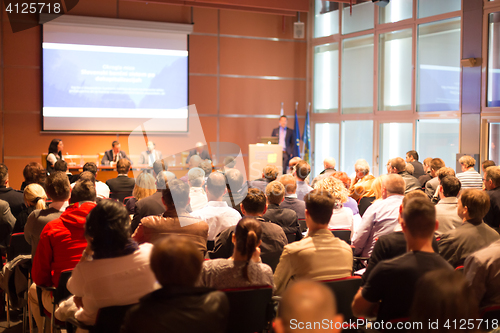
[(33, 173), (236, 192), (432, 185), (388, 292), (113, 269), (175, 220), (121, 186), (284, 217), (292, 163), (291, 201), (443, 304), (342, 217), (492, 186), (151, 155), (410, 168), (206, 165), (427, 176), (216, 213), (350, 203), (486, 164), (34, 198), (55, 154), (329, 165), (61, 165), (178, 306), (59, 190), (305, 307), (144, 187), (469, 178), (482, 271), (244, 268), (321, 255), (200, 151), (61, 244), (398, 166), (194, 162), (376, 194), (101, 188), (302, 170), (381, 217), (159, 166), (456, 245), (447, 207), (269, 174), (273, 237), (418, 168), (197, 196), (15, 198), (113, 155), (7, 221), (362, 183), (229, 163)]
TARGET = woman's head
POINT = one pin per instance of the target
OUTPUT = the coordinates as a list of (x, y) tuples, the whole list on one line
[(108, 229), (34, 195), (343, 177), (56, 146), (247, 238), (144, 186), (335, 187), (377, 187), (34, 173)]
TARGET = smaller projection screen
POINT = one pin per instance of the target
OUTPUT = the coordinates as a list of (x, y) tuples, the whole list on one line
[(111, 75)]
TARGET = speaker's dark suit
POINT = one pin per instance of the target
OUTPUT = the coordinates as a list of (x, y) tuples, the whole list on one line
[(108, 156), (120, 187), (290, 144)]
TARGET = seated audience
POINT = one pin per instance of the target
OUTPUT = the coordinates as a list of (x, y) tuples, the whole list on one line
[(320, 255), (350, 203), (101, 188), (362, 183), (59, 190), (432, 185), (381, 217), (492, 186), (13, 197), (60, 247), (194, 162), (229, 163), (410, 168), (61, 165), (329, 165), (427, 176), (273, 237), (291, 201), (175, 219), (244, 268), (269, 174), (7, 221), (412, 158), (216, 213), (33, 173), (159, 166), (144, 187), (178, 306), (113, 269), (121, 186), (443, 304), (388, 292), (447, 207), (398, 166), (308, 303), (34, 198), (342, 217), (456, 245), (376, 189), (469, 178), (443, 172), (482, 271), (236, 192), (197, 196), (284, 217), (301, 172), (486, 164), (292, 163), (200, 151), (207, 166)]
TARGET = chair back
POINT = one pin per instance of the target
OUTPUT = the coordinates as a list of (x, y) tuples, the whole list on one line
[(344, 289), (460, 269), (120, 195), (17, 246), (62, 292), (343, 234), (249, 309), (291, 237), (110, 319), (126, 199)]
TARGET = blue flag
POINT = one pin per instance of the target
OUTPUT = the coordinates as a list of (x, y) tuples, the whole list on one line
[(296, 147), (307, 140)]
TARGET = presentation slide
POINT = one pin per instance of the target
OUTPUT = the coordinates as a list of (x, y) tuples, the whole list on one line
[(113, 88)]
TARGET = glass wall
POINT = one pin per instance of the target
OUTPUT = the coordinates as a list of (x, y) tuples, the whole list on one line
[(326, 18), (395, 140), (494, 142), (438, 66), (435, 7), (438, 138), (396, 11), (493, 93), (357, 142), (326, 78), (362, 18), (395, 70), (326, 139)]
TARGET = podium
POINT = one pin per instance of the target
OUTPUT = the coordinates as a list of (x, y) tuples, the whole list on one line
[(260, 155)]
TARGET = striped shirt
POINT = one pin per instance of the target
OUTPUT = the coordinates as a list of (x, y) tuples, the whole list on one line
[(470, 179)]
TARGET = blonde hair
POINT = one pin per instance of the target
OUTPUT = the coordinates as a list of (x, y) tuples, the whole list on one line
[(34, 195), (377, 187), (467, 161), (333, 186), (144, 186)]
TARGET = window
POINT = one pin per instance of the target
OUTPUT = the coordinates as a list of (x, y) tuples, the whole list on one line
[(493, 93), (494, 142), (326, 18), (326, 78), (395, 70), (432, 7), (438, 66), (361, 18), (396, 10), (357, 75), (438, 138), (357, 142), (395, 140), (326, 144)]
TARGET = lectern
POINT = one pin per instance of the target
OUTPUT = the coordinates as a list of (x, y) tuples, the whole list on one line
[(260, 155)]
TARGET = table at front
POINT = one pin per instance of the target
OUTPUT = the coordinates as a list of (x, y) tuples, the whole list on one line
[(105, 172)]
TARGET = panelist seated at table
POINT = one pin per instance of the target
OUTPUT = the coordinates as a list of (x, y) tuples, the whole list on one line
[(200, 150), (114, 155), (151, 155)]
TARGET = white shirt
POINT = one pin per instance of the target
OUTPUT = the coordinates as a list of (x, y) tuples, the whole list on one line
[(342, 218), (219, 216), (198, 198)]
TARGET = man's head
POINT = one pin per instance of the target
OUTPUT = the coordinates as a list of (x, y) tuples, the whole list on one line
[(302, 170), (427, 164), (396, 165), (436, 164), (194, 161), (234, 179), (473, 205), (445, 172), (116, 147), (151, 145), (255, 203), (176, 195), (270, 172), (293, 162), (123, 166), (90, 166), (492, 177), (486, 164), (329, 163), (206, 165), (419, 219), (283, 121), (87, 176), (411, 156), (199, 147), (57, 186), (450, 186), (289, 183), (176, 262), (159, 166), (362, 168), (307, 302), (34, 173), (393, 184), (215, 186), (319, 207), (467, 162), (275, 192), (229, 162), (4, 175), (61, 165), (196, 176), (163, 178), (83, 190)]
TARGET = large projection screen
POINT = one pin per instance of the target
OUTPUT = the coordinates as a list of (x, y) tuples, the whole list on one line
[(112, 75)]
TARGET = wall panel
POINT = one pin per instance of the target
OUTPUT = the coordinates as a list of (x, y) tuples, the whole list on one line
[(22, 89), (22, 48), (203, 93), (203, 54), (150, 11)]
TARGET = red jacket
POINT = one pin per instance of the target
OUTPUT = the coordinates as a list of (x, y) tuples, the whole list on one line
[(61, 245)]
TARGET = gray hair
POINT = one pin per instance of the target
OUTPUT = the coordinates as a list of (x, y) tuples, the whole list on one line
[(195, 177)]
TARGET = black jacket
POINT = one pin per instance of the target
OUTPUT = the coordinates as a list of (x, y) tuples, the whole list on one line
[(151, 205), (121, 187), (492, 218), (285, 218), (14, 198)]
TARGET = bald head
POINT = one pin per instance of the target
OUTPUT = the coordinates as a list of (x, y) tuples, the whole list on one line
[(393, 184), (307, 302), (329, 163), (194, 161), (216, 186), (289, 183)]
